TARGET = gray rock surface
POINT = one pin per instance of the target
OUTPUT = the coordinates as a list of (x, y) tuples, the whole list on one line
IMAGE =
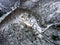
[(35, 22), (7, 5)]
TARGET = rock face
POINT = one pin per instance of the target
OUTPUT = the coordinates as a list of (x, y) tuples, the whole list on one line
[(7, 5), (35, 22)]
